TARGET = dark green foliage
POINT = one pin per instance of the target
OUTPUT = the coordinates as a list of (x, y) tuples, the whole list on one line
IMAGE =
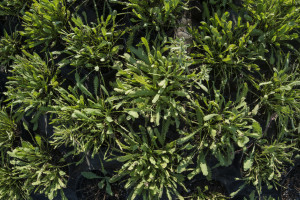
[(9, 47), (93, 46), (220, 127), (11, 187), (155, 14), (157, 83), (226, 46), (277, 21), (7, 130), (169, 111), (30, 90), (84, 120), (38, 170), (279, 95), (152, 165), (13, 7), (265, 163), (44, 21)]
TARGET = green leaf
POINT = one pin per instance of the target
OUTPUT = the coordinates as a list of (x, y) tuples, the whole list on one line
[(183, 140), (242, 141), (210, 116), (108, 189), (206, 48), (90, 175), (156, 97), (38, 139), (109, 119), (78, 114), (125, 158), (257, 128), (145, 42), (255, 109), (183, 164), (248, 163), (152, 160), (133, 114), (203, 165), (101, 184)]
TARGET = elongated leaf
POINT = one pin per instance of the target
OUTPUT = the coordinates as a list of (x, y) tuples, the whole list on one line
[(90, 175), (78, 114), (203, 165), (210, 116)]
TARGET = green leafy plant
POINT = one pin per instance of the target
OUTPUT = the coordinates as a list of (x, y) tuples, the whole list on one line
[(93, 46), (280, 95), (158, 82), (11, 186), (30, 89), (13, 7), (225, 47), (7, 130), (219, 128), (9, 47), (278, 21), (152, 165), (206, 193), (84, 120), (155, 14), (38, 168), (265, 163), (209, 7), (44, 21)]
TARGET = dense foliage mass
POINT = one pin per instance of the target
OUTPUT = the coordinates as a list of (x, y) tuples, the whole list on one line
[(171, 90)]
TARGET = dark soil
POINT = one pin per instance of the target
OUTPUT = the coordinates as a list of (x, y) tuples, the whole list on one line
[(291, 185), (202, 189), (87, 189)]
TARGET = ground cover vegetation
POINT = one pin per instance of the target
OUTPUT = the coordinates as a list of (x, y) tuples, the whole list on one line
[(164, 93)]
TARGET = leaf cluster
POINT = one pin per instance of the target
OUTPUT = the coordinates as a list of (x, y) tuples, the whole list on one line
[(225, 46), (30, 88), (43, 22), (36, 167), (13, 7), (278, 21), (265, 163), (155, 83), (155, 14), (84, 120), (93, 46), (152, 165), (9, 47)]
